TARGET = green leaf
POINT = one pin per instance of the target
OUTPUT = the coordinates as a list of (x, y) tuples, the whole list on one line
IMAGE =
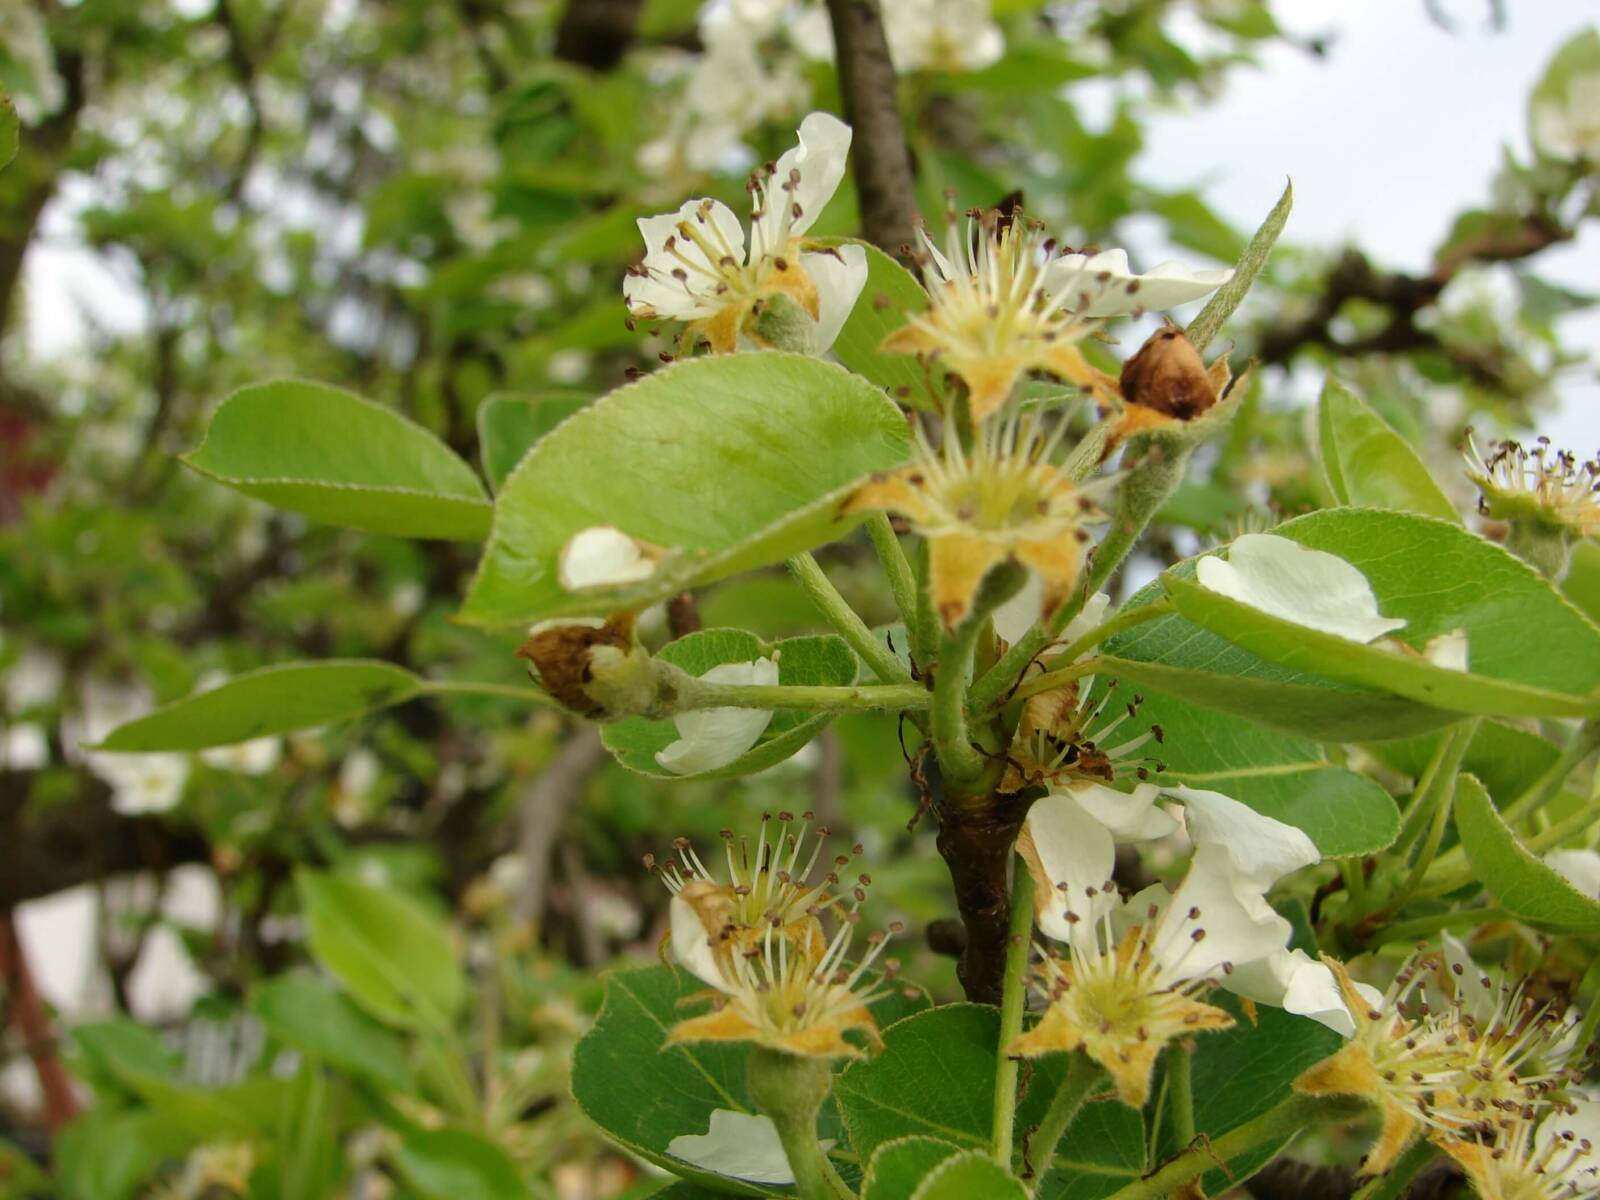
[(319, 1021), (623, 1058), (396, 960), (900, 1165), (1582, 584), (1240, 1073), (935, 1079), (1285, 777), (728, 463), (1368, 463), (108, 1154), (1520, 882), (969, 1174), (335, 457), (453, 1164), (508, 426), (1180, 659), (1530, 652), (1231, 294), (803, 660), (20, 1179), (889, 299), (10, 129), (270, 701)]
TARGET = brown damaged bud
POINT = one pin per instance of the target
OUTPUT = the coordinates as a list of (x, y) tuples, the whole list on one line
[(590, 666), (1168, 376)]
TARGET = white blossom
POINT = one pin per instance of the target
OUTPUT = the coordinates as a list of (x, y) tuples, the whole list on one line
[(1105, 285), (738, 1145), (709, 738), (1294, 583), (602, 556), (1568, 128)]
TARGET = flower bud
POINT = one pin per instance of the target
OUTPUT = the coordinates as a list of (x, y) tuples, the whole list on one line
[(595, 668)]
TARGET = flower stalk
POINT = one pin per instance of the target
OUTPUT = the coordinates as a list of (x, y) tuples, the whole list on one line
[(1082, 1076), (1013, 1003), (846, 622), (790, 1090)]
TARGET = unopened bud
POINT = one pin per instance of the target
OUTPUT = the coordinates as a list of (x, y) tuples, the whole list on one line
[(595, 668)]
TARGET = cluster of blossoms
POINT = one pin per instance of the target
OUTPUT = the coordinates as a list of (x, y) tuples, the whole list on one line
[(1480, 1068), (754, 64), (1540, 484)]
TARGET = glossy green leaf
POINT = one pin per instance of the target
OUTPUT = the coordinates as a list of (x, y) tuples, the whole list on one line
[(333, 456), (1283, 776), (900, 1165), (1177, 657), (802, 660), (1368, 463), (889, 299), (1521, 883), (624, 1057), (969, 1174), (935, 1079), (396, 960), (1530, 652), (453, 1164), (728, 463), (508, 426), (319, 1021), (270, 701)]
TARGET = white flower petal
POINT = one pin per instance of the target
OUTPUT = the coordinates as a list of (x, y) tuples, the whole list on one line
[(142, 784), (1105, 285), (1129, 816), (839, 277), (692, 292), (1312, 588), (691, 945), (1580, 868), (1235, 932), (739, 1146), (602, 556), (1259, 849), (1448, 650), (1580, 1124), (710, 738), (1074, 852), (1295, 982), (1020, 613), (820, 160), (255, 757)]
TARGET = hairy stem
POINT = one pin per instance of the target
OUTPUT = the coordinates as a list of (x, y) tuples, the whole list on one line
[(812, 697), (1013, 1003), (960, 763), (1392, 1184), (845, 621), (1180, 1091), (902, 581), (1082, 1075)]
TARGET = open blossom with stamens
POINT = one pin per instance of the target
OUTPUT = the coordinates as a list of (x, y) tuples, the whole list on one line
[(1557, 1158), (1003, 304), (1545, 486), (1004, 501), (700, 268), (1135, 972), (778, 980), (1440, 1069), (1070, 735)]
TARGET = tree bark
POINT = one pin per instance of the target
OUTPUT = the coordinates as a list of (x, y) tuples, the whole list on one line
[(543, 811), (884, 180)]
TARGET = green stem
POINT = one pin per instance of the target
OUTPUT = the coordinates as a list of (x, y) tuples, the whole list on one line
[(1444, 789), (1567, 827), (468, 687), (1013, 1002), (1276, 1124), (1548, 786), (925, 639), (902, 580), (958, 760), (1069, 655), (790, 1089), (846, 622), (1180, 1089), (1082, 1075), (1445, 762), (1146, 488), (1053, 679), (1355, 882), (1421, 928), (1391, 1185), (813, 697)]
